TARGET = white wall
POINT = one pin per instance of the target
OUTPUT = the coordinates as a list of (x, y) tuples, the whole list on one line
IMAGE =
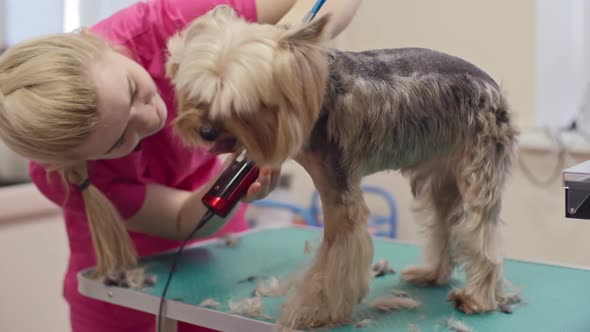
[(34, 256), (562, 59), (537, 49), (34, 252), (498, 36), (92, 11), (24, 19), (30, 18)]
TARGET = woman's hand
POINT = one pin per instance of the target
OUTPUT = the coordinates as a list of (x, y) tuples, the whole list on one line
[(267, 182)]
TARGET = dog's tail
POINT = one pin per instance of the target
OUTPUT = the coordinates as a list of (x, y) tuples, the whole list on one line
[(474, 175), (487, 141), (493, 138)]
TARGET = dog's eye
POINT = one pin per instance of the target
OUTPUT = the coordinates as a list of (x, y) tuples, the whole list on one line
[(208, 132)]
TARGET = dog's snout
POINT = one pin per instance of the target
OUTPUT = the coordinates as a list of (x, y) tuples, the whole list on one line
[(208, 133)]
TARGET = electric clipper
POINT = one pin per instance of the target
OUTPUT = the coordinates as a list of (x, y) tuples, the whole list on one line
[(231, 186)]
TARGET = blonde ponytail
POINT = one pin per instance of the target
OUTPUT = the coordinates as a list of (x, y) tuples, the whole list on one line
[(48, 108), (112, 244)]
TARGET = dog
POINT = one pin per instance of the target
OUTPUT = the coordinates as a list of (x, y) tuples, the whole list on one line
[(445, 124)]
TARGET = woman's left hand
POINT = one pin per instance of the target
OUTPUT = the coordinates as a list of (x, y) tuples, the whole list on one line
[(267, 182)]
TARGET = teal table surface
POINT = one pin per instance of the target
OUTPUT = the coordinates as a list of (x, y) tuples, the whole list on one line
[(555, 298)]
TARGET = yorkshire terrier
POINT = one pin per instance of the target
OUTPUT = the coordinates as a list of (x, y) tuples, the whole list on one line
[(281, 94)]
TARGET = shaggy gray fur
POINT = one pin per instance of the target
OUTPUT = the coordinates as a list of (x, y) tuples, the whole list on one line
[(396, 108)]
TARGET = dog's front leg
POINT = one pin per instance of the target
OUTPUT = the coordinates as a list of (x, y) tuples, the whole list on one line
[(338, 279)]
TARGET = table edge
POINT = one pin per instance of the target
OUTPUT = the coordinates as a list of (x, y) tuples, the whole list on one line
[(176, 310), (207, 317)]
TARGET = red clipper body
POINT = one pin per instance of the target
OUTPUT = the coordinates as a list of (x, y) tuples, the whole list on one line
[(231, 186)]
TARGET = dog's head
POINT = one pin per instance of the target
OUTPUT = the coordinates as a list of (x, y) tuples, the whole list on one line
[(247, 85)]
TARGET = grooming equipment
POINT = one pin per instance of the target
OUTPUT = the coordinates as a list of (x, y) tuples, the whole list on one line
[(231, 186), (314, 10)]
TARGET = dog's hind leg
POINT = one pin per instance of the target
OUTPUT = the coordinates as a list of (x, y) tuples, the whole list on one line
[(338, 278), (436, 190), (476, 238)]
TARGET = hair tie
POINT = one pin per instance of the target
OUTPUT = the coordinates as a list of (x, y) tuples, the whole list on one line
[(85, 184)]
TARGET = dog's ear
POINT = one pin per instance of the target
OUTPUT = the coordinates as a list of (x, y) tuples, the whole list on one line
[(270, 136), (315, 32), (185, 127), (175, 48)]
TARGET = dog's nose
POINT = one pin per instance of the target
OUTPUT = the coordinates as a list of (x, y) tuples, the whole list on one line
[(208, 133)]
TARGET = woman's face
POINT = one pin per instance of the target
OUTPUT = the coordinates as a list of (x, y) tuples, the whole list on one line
[(129, 106)]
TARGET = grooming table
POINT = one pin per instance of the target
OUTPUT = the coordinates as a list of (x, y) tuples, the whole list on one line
[(555, 298)]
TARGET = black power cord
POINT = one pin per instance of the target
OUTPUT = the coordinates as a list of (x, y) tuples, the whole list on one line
[(208, 215)]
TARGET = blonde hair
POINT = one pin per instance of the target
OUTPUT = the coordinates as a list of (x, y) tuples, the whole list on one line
[(48, 108)]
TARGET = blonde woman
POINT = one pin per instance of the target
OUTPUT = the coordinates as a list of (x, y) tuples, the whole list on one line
[(92, 111)]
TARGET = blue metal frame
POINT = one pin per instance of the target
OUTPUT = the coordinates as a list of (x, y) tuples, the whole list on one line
[(269, 203), (311, 215), (315, 208)]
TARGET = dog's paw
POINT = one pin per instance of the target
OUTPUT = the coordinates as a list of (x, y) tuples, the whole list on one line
[(318, 305), (308, 317), (424, 276), (469, 303)]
